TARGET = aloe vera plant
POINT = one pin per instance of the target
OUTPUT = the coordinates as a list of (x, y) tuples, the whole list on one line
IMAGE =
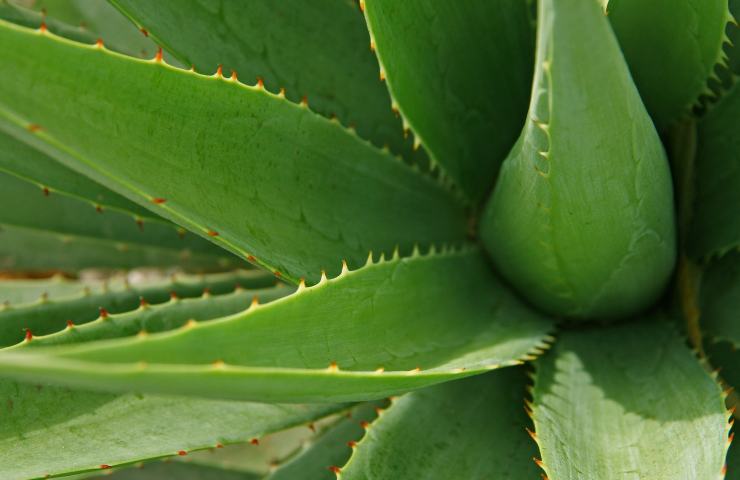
[(420, 239)]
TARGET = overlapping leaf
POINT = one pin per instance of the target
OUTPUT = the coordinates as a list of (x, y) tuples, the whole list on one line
[(632, 399), (388, 327), (233, 163)]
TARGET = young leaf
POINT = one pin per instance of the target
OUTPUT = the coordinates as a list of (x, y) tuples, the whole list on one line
[(388, 327), (479, 422), (672, 48), (715, 227), (54, 431), (47, 315), (628, 399), (317, 49), (459, 74), (236, 164), (582, 218)]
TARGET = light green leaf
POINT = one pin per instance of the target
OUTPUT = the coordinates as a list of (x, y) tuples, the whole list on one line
[(32, 250), (318, 459), (474, 428), (582, 217), (239, 165), (12, 12), (48, 315), (628, 402), (715, 228), (317, 49), (24, 290), (158, 318), (423, 319), (26, 162), (54, 431), (459, 74), (672, 48), (180, 471)]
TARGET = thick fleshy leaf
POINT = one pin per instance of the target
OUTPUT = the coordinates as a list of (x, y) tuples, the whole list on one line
[(319, 459), (48, 315), (240, 165), (316, 49), (13, 12), (49, 430), (25, 290), (715, 227), (720, 299), (388, 327), (159, 318), (459, 74), (474, 428), (582, 217), (631, 398), (672, 48), (180, 471), (31, 250), (26, 162)]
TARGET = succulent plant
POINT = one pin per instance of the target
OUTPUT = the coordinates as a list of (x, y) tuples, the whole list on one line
[(505, 231)]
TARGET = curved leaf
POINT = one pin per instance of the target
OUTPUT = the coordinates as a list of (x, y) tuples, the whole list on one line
[(24, 290), (474, 428), (672, 48), (459, 74), (420, 320), (180, 471), (240, 166), (628, 399), (317, 49), (54, 431), (50, 315), (715, 227)]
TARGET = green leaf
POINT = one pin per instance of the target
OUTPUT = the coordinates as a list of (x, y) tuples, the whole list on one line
[(316, 461), (423, 319), (24, 290), (720, 299), (715, 228), (47, 315), (39, 209), (12, 12), (582, 217), (23, 249), (23, 161), (159, 318), (180, 471), (628, 401), (672, 48), (95, 19), (234, 163), (474, 428), (54, 431), (459, 74), (315, 49)]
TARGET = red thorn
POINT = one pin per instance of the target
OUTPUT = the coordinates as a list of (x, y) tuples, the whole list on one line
[(351, 444), (158, 55), (278, 274), (219, 445), (364, 424), (304, 101), (104, 466), (254, 441), (143, 302), (158, 200), (103, 313), (144, 31), (538, 462), (173, 295), (220, 71), (182, 453), (206, 291), (46, 191), (335, 470), (260, 82), (212, 233), (251, 258), (43, 28), (98, 209), (70, 323), (99, 43), (234, 75), (33, 127), (312, 427), (140, 224), (29, 335), (362, 6), (723, 470)]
